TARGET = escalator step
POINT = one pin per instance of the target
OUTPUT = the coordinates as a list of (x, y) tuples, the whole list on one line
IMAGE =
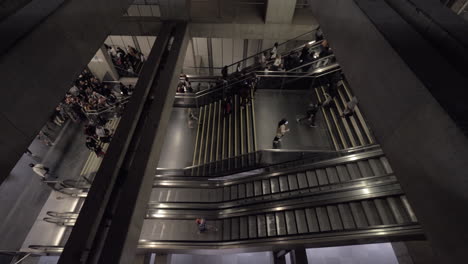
[(234, 192), (292, 181), (280, 224), (346, 216), (271, 224), (322, 177), (334, 216), (261, 225), (291, 226), (384, 161), (266, 186), (302, 180), (252, 226), (301, 221), (312, 178), (371, 213), (241, 191), (323, 220), (312, 222), (226, 193), (384, 211), (227, 229), (398, 210), (243, 222), (377, 168), (354, 171), (258, 188), (235, 228), (365, 169), (249, 192), (358, 214), (283, 181), (275, 188), (332, 175), (343, 173)]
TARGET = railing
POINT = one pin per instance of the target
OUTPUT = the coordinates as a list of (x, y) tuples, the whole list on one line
[(267, 159), (315, 69)]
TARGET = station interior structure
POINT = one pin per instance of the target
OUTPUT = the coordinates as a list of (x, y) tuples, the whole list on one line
[(237, 131)]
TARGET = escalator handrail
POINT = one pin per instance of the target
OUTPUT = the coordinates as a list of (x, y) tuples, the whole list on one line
[(280, 44), (269, 61), (248, 76)]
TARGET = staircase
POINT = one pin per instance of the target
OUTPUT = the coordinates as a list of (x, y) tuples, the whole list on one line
[(222, 136)]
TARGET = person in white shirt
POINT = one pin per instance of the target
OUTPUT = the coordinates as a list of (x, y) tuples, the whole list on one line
[(274, 50), (40, 170), (277, 63)]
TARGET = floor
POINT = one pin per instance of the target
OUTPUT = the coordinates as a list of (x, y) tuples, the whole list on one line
[(177, 151), (22, 194), (273, 105)]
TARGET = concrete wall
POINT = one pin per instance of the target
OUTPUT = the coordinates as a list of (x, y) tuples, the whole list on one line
[(425, 146)]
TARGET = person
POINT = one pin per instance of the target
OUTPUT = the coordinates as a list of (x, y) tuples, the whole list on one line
[(310, 115), (274, 51), (238, 68), (325, 49), (281, 130), (263, 60), (201, 223), (192, 118), (103, 134), (224, 72), (328, 101), (40, 170), (277, 63), (93, 145), (305, 54), (350, 107), (318, 34)]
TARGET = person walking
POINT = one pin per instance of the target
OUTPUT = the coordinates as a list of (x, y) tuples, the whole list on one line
[(201, 223), (40, 170), (274, 51), (310, 115), (281, 130)]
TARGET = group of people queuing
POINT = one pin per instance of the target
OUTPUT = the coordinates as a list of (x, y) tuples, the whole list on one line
[(93, 102), (127, 62)]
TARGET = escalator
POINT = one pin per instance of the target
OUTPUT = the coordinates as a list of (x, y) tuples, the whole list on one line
[(341, 200)]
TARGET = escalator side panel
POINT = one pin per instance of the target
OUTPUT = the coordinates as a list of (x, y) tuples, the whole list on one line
[(227, 229), (234, 192), (365, 169), (271, 224), (343, 173), (266, 186), (384, 211), (275, 188), (235, 228), (292, 181), (354, 171), (302, 180), (283, 182), (258, 188), (243, 226), (371, 213), (322, 177), (332, 175), (249, 192), (241, 191)]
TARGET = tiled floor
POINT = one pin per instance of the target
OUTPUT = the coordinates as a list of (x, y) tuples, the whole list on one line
[(381, 253)]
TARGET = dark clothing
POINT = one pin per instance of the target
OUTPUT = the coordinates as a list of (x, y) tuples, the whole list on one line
[(224, 72)]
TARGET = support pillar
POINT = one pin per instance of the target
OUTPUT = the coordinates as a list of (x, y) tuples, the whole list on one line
[(423, 143), (130, 207), (298, 256), (91, 226), (102, 67)]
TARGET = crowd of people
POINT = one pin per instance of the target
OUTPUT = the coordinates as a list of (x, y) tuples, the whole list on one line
[(127, 62), (93, 102)]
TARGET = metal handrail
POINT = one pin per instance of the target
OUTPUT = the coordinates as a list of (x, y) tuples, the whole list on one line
[(248, 76), (261, 52)]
